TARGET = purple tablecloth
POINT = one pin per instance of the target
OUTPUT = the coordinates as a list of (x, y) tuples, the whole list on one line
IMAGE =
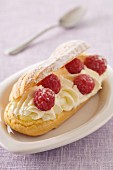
[(20, 20)]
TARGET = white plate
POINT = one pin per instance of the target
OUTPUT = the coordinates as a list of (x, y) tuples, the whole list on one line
[(87, 120)]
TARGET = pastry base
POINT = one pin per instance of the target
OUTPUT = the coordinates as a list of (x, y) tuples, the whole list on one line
[(37, 127)]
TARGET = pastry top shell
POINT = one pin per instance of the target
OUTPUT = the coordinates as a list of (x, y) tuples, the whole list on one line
[(62, 55)]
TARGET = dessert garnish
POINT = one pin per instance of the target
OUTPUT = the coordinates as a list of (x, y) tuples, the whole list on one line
[(44, 99), (96, 63), (84, 83), (52, 82), (75, 66)]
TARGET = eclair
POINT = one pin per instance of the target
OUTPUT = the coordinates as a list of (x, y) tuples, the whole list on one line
[(46, 96)]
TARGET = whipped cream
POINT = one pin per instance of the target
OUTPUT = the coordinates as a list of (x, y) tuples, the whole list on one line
[(98, 83), (68, 97), (26, 107)]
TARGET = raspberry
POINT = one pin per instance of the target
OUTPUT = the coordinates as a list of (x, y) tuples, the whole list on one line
[(96, 63), (52, 82), (75, 66), (84, 83), (44, 99)]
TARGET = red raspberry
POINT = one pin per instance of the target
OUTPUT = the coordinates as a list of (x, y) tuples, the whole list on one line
[(44, 99), (84, 83), (96, 63), (75, 66), (52, 82)]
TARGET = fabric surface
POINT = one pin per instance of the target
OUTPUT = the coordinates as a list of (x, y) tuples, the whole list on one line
[(20, 19)]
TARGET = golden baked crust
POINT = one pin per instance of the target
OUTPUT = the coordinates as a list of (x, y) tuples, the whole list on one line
[(26, 125), (37, 127), (32, 127)]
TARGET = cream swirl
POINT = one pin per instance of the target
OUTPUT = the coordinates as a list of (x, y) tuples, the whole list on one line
[(26, 107), (67, 95), (65, 100), (68, 98), (98, 83)]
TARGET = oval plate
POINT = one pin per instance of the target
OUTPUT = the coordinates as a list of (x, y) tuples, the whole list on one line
[(91, 117)]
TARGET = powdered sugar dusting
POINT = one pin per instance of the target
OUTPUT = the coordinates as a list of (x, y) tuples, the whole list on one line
[(62, 55)]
